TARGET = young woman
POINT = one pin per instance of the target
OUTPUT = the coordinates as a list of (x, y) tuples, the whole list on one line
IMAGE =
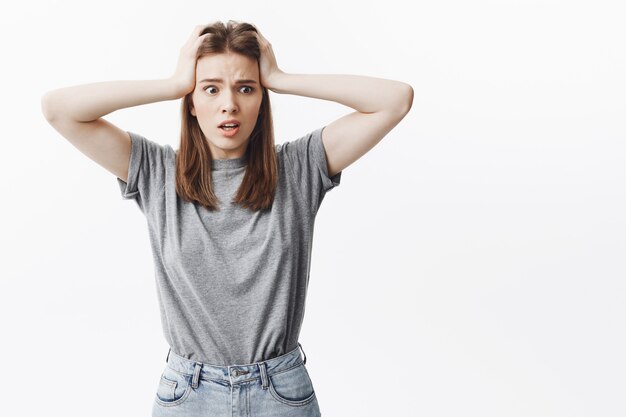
[(230, 214)]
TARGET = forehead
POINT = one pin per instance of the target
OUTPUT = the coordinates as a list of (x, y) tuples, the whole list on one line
[(227, 66)]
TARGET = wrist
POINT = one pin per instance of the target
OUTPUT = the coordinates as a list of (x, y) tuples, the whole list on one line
[(274, 81), (176, 89)]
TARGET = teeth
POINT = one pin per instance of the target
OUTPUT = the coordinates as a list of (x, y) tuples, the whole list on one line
[(229, 125)]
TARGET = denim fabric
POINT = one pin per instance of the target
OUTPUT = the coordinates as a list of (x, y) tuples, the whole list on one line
[(276, 387)]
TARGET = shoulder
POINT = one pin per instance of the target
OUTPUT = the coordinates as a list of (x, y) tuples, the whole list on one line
[(302, 143), (150, 149)]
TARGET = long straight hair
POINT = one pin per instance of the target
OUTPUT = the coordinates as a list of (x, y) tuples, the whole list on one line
[(194, 158)]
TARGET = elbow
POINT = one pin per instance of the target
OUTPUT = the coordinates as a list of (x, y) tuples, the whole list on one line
[(46, 107), (404, 100), (408, 99), (404, 103)]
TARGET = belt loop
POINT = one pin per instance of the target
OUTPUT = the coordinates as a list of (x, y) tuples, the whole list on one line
[(196, 375), (264, 379), (304, 361), (168, 355)]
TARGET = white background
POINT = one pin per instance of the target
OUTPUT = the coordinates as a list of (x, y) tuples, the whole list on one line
[(471, 264)]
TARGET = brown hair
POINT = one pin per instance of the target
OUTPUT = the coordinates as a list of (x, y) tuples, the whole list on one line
[(193, 160)]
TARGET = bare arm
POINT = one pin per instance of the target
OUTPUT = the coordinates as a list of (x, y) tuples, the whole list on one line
[(380, 105), (76, 111), (88, 102)]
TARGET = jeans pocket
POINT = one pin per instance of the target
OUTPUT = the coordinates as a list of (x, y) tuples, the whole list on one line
[(292, 387), (174, 388)]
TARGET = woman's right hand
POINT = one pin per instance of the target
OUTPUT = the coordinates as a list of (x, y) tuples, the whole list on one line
[(185, 76)]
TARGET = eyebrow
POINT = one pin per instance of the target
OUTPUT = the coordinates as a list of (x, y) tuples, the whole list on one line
[(219, 80)]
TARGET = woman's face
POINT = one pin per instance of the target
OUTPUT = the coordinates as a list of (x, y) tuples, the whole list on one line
[(214, 102)]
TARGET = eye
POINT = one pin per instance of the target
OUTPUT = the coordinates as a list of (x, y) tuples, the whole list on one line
[(245, 86)]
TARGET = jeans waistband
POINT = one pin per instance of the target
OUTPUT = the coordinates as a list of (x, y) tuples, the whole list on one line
[(237, 373)]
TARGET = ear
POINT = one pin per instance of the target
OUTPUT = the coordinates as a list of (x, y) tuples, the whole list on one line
[(191, 108)]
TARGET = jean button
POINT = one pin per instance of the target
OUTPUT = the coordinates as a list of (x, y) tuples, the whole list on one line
[(238, 372)]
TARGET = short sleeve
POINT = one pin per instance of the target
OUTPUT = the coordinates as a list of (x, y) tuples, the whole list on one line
[(146, 172), (306, 158)]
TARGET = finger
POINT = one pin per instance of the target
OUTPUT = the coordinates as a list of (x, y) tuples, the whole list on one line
[(197, 30), (201, 38), (261, 38), (265, 41)]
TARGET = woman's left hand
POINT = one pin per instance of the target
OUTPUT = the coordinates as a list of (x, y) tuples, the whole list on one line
[(268, 67)]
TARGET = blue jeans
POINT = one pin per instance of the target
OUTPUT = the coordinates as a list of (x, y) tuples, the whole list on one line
[(276, 387)]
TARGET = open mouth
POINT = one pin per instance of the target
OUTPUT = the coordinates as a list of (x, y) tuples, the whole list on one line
[(229, 126)]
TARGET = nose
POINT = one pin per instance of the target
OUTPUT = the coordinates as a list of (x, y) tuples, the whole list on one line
[(229, 104)]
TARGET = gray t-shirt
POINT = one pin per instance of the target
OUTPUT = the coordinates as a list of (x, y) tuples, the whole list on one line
[(231, 284)]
